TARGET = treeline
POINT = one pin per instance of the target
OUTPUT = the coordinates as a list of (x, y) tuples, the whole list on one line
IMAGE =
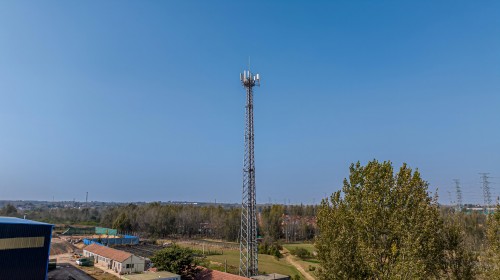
[(287, 223), (68, 216), (276, 222), (155, 220), (187, 221)]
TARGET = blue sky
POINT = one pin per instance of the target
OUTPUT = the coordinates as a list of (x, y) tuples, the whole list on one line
[(141, 100)]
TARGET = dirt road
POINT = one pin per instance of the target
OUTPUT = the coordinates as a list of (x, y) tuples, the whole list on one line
[(289, 259), (59, 246)]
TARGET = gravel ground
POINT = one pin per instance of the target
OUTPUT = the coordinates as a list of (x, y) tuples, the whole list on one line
[(65, 271)]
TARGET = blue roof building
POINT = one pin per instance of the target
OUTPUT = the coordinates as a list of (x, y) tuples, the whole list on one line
[(24, 249)]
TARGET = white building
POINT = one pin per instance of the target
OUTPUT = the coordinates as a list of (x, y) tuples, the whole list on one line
[(116, 260)]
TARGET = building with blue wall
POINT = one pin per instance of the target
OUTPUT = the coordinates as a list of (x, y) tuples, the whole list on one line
[(24, 249), (122, 240)]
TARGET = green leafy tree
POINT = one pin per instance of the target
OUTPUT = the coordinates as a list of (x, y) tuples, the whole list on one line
[(9, 210), (490, 265), (177, 260), (302, 253), (272, 220), (381, 226), (460, 260), (122, 223), (270, 247)]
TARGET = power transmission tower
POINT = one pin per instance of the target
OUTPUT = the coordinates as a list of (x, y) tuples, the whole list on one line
[(459, 194), (486, 191), (248, 231)]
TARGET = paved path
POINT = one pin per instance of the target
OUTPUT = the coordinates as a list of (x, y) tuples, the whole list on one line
[(289, 258)]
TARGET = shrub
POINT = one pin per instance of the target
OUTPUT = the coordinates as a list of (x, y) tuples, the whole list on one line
[(270, 249), (300, 252)]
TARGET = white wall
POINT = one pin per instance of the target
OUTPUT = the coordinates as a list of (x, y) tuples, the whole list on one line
[(135, 263)]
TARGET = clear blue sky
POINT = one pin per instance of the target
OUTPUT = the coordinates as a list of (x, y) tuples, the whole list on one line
[(141, 100)]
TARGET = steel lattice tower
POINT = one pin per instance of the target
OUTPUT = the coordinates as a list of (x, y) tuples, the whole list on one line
[(459, 194), (248, 231), (486, 191)]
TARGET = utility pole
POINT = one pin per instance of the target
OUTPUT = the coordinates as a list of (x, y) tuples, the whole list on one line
[(248, 230), (87, 199), (486, 191)]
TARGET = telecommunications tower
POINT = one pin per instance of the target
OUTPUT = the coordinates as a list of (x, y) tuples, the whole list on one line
[(248, 231)]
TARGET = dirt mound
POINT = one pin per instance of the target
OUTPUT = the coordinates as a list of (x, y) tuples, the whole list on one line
[(59, 246)]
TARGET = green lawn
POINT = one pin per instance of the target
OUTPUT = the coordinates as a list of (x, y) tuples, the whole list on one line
[(308, 246), (305, 264), (267, 264)]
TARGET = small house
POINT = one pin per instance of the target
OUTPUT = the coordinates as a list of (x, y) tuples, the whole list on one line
[(116, 260)]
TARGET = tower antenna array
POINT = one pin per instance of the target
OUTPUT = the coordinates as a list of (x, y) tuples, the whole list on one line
[(248, 230), (459, 194), (486, 191)]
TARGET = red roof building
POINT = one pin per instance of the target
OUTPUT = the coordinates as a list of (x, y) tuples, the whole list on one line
[(116, 260)]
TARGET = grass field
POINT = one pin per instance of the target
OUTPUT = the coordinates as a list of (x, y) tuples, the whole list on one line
[(308, 246), (267, 264), (307, 263)]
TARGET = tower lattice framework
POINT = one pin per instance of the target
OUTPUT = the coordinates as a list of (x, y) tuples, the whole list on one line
[(248, 230), (486, 191), (458, 190)]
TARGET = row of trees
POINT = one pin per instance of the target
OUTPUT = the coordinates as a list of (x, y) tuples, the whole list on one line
[(290, 223), (159, 220)]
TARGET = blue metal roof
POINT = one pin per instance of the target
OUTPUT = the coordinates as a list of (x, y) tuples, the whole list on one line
[(12, 220)]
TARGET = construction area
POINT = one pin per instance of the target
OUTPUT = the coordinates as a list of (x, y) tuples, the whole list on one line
[(100, 253)]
